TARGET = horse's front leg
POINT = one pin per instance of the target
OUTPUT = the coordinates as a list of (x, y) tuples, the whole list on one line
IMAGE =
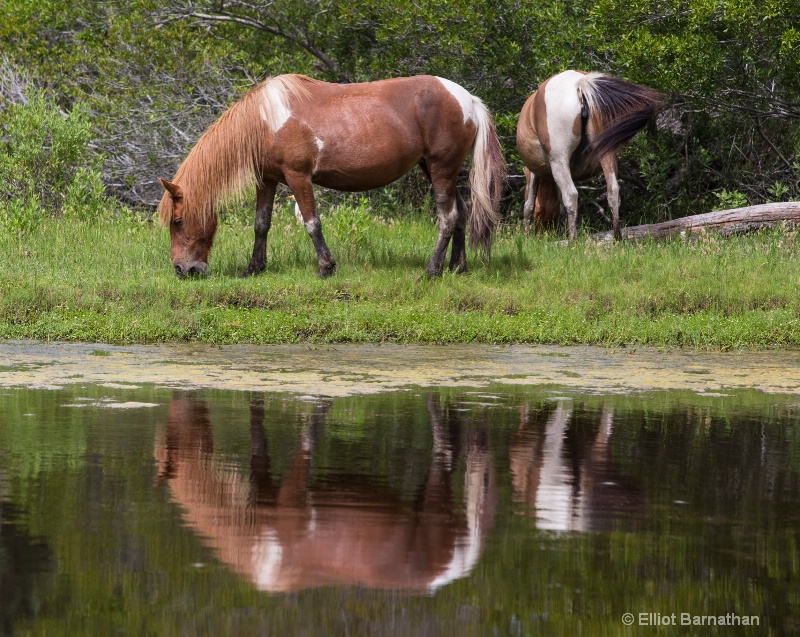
[(265, 199), (304, 197), (263, 486)]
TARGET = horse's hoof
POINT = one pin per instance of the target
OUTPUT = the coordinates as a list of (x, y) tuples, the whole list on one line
[(251, 271), (325, 272)]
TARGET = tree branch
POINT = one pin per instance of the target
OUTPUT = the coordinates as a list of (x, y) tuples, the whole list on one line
[(785, 161), (731, 221), (295, 37)]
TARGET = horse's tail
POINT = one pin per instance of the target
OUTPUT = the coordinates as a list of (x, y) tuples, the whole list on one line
[(620, 110), (487, 176)]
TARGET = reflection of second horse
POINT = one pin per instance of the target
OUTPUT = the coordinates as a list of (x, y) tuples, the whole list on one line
[(570, 487), (296, 533)]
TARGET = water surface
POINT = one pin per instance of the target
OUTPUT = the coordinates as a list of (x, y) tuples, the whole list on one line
[(500, 509)]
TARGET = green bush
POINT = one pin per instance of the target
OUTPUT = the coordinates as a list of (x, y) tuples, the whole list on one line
[(45, 169)]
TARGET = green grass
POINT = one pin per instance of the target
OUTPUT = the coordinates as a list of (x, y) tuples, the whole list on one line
[(113, 282)]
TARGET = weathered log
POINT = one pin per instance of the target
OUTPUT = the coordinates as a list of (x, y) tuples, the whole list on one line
[(733, 221)]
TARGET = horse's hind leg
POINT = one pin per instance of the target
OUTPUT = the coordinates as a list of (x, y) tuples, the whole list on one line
[(447, 209), (304, 197), (609, 165), (265, 198), (458, 254), (569, 194)]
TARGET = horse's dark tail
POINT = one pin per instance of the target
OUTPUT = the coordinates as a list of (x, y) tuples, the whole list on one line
[(620, 110), (487, 177)]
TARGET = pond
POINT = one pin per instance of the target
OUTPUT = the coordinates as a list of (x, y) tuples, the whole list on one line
[(506, 508)]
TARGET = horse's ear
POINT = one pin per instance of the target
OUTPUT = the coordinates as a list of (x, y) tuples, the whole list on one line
[(173, 189)]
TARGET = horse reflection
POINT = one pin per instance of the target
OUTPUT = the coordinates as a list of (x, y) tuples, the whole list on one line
[(570, 487), (296, 533)]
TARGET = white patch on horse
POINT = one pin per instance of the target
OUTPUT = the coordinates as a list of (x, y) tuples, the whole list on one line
[(297, 214), (467, 549), (465, 99), (267, 556), (563, 107), (555, 497), (318, 155), (275, 109)]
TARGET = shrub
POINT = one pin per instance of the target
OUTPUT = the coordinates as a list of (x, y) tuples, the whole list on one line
[(45, 170)]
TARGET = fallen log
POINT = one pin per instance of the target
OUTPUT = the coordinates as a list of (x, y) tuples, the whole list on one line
[(733, 221)]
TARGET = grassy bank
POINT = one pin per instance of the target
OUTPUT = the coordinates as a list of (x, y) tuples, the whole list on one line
[(113, 282)]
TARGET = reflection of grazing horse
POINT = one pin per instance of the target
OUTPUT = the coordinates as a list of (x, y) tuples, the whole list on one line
[(297, 131), (571, 128), (294, 533), (576, 489)]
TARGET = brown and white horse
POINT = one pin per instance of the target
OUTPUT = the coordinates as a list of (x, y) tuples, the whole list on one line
[(297, 131), (295, 532), (567, 481), (571, 128)]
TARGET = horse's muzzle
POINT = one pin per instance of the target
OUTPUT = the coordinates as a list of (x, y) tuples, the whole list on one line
[(190, 269)]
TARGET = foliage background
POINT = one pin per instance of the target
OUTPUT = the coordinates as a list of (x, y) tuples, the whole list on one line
[(150, 75)]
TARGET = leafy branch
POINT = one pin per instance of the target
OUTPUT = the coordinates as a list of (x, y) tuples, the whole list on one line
[(248, 14)]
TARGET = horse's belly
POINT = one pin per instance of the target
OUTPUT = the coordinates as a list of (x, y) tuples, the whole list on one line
[(355, 175)]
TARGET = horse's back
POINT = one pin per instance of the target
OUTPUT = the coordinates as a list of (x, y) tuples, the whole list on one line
[(366, 135), (550, 126), (396, 93)]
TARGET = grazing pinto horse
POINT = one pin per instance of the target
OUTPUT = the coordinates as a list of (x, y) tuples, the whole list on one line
[(572, 127), (299, 531), (297, 131), (568, 481)]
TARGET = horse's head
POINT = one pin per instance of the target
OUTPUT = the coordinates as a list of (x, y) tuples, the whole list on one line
[(191, 235)]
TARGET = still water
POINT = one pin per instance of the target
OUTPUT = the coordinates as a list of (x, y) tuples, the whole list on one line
[(500, 510)]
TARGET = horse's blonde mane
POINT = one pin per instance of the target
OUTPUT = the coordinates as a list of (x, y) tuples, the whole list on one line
[(226, 158)]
